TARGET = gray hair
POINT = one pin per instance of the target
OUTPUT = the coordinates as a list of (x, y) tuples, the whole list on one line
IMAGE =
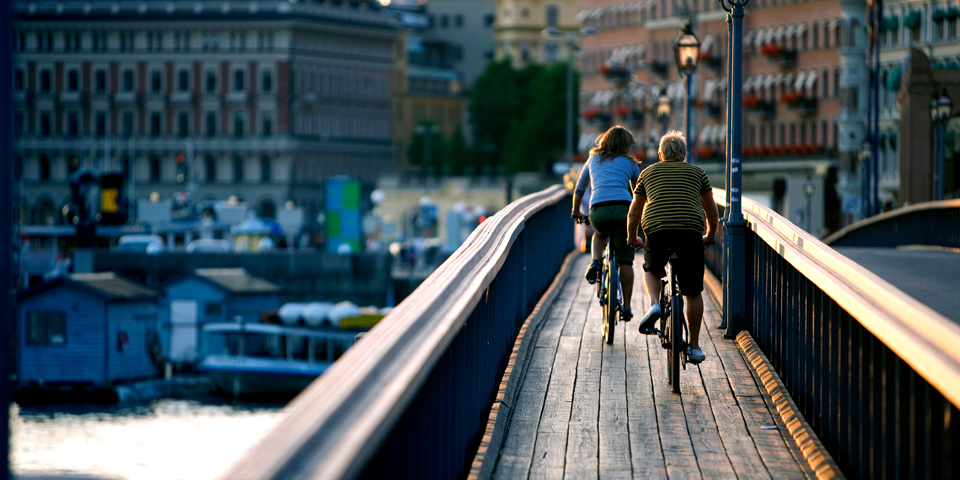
[(673, 146)]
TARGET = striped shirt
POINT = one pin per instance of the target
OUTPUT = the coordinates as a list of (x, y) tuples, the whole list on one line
[(673, 197)]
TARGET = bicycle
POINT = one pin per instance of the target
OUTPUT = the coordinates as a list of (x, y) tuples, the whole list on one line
[(674, 331), (611, 300)]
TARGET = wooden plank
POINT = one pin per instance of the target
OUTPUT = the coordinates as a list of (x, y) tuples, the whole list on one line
[(583, 436), (614, 427), (678, 453), (702, 426), (646, 454)]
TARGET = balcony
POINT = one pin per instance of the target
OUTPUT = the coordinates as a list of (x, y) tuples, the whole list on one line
[(756, 105), (779, 56), (800, 104), (800, 150)]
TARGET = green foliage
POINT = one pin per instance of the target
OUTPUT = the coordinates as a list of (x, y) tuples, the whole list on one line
[(415, 152), (520, 114), (457, 155)]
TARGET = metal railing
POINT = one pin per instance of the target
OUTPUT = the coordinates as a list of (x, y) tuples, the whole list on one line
[(874, 372), (928, 223), (411, 398)]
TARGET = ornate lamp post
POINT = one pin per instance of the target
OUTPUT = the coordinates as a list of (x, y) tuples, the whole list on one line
[(663, 111), (687, 53), (734, 243), (941, 108), (866, 199), (808, 190), (572, 46)]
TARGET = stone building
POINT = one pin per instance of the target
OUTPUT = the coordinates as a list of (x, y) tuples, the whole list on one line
[(201, 100), (519, 24), (805, 87)]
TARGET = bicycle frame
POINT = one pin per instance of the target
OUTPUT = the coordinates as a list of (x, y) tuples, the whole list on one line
[(674, 330)]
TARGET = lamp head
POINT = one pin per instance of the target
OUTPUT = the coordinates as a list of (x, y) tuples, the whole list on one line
[(663, 107), (934, 108), (687, 50), (944, 106), (550, 32)]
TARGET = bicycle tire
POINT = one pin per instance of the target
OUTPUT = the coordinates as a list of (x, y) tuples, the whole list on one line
[(610, 307), (676, 329)]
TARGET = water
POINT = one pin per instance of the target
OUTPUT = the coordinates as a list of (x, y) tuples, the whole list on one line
[(160, 440)]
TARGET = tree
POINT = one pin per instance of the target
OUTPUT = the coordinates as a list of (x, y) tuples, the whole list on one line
[(458, 155), (415, 152), (542, 130), (500, 95)]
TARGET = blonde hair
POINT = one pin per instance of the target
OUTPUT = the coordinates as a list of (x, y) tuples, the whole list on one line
[(673, 146), (614, 143)]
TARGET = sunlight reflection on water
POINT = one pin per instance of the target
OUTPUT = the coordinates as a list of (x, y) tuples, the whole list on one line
[(162, 440)]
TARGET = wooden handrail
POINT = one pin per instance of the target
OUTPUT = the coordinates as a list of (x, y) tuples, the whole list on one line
[(885, 216), (336, 425), (921, 337)]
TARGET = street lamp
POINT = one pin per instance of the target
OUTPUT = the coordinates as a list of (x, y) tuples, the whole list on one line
[(687, 53), (663, 111), (428, 131), (808, 189), (571, 47), (940, 111), (866, 157), (734, 242)]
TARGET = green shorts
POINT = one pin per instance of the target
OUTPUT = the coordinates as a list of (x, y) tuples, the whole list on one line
[(610, 221)]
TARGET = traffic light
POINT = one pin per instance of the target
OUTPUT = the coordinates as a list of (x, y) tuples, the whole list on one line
[(181, 168), (113, 204)]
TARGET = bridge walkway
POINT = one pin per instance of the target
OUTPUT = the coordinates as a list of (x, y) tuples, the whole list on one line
[(590, 410)]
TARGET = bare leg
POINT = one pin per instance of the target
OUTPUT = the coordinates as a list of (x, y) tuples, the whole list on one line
[(599, 244), (626, 284), (694, 317), (653, 287)]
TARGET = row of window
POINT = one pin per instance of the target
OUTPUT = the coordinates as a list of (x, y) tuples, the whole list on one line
[(72, 125), (349, 82), (154, 81), (141, 41), (792, 133), (343, 124), (237, 166), (551, 15)]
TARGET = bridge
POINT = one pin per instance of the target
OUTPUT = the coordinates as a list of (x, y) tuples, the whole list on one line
[(494, 367)]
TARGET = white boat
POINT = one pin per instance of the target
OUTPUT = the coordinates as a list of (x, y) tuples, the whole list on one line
[(267, 359)]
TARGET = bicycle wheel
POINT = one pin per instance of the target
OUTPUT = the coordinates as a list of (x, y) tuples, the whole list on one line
[(677, 343), (612, 301)]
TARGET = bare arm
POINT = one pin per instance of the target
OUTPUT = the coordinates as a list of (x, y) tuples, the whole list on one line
[(712, 215), (633, 219), (575, 213)]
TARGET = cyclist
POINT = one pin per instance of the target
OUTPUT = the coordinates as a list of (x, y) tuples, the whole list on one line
[(611, 172), (673, 202)]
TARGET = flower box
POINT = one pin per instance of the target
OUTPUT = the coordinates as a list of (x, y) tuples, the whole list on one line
[(779, 56)]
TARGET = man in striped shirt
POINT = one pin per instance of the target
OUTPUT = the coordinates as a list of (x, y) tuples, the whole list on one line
[(673, 203)]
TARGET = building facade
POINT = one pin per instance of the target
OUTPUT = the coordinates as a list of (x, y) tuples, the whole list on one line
[(519, 24), (201, 100), (470, 25)]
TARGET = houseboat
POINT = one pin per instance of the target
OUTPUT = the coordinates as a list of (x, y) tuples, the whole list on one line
[(266, 359)]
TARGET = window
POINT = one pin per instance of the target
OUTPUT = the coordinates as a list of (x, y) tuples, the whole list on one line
[(183, 124), (825, 84), (237, 169), (238, 80), (488, 20), (18, 80), (73, 124), (100, 124), (815, 30), (155, 124), (552, 14), (823, 133), (267, 129), (211, 309), (210, 169), (155, 81), (265, 172), (18, 124), (267, 83), (836, 81), (458, 21), (238, 119), (444, 21), (211, 85), (45, 81), (154, 169), (183, 81), (525, 13), (73, 81), (46, 124), (127, 124), (211, 124), (100, 81), (550, 52), (44, 168), (127, 80), (47, 328)]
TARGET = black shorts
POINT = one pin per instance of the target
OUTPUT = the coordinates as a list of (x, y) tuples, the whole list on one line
[(689, 247), (609, 219)]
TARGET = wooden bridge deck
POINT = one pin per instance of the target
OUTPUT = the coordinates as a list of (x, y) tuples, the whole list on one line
[(591, 410)]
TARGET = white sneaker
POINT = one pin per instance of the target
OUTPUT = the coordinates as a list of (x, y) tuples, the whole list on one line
[(695, 355)]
